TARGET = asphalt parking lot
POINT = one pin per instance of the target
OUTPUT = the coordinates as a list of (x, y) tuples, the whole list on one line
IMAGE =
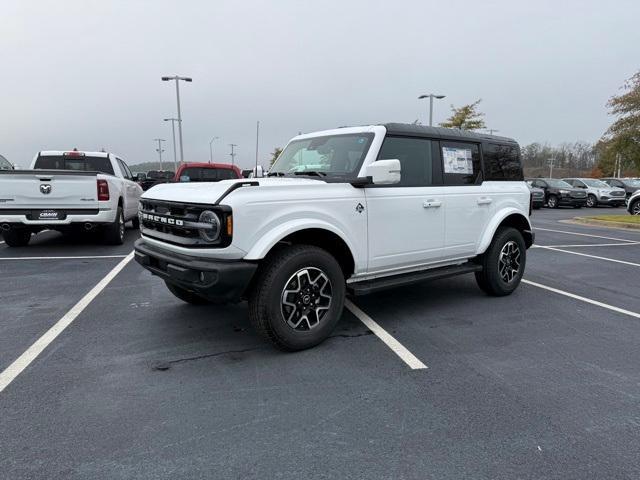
[(541, 384)]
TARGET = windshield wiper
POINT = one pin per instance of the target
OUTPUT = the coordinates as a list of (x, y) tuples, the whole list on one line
[(311, 173)]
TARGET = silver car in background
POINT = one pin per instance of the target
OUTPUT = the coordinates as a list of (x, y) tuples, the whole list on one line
[(599, 192)]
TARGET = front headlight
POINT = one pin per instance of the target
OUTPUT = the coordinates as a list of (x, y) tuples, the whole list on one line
[(564, 192), (212, 233)]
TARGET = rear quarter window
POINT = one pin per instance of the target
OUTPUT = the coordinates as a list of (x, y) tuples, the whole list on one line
[(502, 162)]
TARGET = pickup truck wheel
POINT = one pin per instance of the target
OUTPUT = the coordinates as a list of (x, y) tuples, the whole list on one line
[(552, 201), (503, 263), (17, 238), (185, 295), (298, 297), (114, 233), (135, 223)]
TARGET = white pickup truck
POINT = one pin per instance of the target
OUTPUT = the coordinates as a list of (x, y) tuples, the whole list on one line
[(68, 191), (345, 211)]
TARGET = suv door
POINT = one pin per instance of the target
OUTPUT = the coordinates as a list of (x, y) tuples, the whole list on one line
[(469, 201), (406, 220)]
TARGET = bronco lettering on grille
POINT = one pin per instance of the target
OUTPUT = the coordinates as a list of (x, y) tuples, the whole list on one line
[(161, 219)]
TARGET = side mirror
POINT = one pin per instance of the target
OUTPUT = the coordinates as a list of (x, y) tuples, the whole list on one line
[(384, 172)]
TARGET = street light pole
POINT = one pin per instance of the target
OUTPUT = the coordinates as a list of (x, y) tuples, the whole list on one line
[(173, 131), (177, 79), (431, 96), (257, 137), (232, 145), (159, 149), (211, 149)]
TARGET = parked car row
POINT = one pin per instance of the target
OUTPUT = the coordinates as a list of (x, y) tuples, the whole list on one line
[(581, 192), (189, 172)]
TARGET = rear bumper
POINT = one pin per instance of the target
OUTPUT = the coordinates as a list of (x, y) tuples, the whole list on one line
[(216, 280), (21, 218)]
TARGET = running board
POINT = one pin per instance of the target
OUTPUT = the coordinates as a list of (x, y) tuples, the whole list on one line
[(371, 286)]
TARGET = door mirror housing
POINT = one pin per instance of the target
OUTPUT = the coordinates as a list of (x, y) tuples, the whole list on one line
[(384, 172)]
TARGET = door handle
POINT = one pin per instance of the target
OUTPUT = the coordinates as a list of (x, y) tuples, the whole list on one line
[(484, 201), (431, 204)]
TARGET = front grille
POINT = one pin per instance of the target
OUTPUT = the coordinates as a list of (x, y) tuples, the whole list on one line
[(617, 193), (173, 222), (538, 194)]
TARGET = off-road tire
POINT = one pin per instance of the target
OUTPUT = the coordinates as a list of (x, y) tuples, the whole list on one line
[(16, 238), (490, 279), (114, 232), (266, 303), (186, 296)]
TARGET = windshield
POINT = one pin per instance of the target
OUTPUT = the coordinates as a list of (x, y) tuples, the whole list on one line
[(81, 163), (633, 183), (557, 183), (592, 182), (203, 174), (4, 164), (334, 155)]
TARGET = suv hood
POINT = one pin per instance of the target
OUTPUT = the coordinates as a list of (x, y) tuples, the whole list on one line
[(209, 192)]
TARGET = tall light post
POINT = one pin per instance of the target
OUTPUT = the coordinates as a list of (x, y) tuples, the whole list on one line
[(177, 80), (233, 155), (211, 149), (159, 149), (431, 96), (173, 131)]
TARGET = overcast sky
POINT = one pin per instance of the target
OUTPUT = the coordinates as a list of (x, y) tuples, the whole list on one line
[(87, 73)]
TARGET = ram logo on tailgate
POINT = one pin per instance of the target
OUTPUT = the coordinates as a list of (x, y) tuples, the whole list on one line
[(45, 188)]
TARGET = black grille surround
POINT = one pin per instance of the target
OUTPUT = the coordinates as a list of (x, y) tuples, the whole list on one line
[(177, 223)]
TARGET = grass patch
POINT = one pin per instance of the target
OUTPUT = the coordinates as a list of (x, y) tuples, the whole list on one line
[(632, 219)]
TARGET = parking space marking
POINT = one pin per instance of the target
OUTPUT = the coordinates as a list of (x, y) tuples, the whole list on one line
[(63, 258), (24, 360), (405, 355), (578, 245), (582, 299), (582, 234), (592, 256)]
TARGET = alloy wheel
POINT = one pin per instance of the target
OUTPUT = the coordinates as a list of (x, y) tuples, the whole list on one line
[(306, 298), (635, 208), (509, 261)]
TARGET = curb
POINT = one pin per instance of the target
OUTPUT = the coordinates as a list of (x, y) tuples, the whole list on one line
[(604, 223)]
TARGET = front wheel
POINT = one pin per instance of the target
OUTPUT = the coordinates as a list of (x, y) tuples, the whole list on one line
[(503, 263), (298, 297), (634, 209), (552, 201), (17, 238), (592, 201)]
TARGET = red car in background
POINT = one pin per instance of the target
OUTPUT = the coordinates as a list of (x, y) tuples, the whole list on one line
[(206, 172)]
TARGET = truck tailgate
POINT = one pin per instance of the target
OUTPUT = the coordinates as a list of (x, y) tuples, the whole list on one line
[(48, 189)]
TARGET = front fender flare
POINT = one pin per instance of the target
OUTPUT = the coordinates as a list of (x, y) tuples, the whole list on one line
[(262, 247)]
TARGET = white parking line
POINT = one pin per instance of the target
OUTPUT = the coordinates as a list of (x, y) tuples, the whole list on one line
[(591, 256), (24, 360), (582, 299), (399, 349), (63, 258), (582, 234), (580, 245)]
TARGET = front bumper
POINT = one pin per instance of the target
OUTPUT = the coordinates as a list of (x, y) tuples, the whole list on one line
[(573, 202), (216, 280), (609, 200)]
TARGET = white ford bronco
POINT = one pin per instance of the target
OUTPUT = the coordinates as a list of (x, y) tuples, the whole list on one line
[(345, 211)]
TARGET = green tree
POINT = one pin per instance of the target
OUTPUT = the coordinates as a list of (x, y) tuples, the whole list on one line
[(622, 138), (466, 117), (275, 154)]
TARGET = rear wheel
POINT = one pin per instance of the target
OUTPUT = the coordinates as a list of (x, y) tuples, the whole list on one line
[(17, 238), (592, 201), (552, 201), (503, 263), (298, 297), (185, 295), (114, 232)]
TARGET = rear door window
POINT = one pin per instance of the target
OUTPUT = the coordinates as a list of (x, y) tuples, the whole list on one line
[(460, 163)]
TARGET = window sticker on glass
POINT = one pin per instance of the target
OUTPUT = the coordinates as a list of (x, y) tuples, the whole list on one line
[(457, 160)]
